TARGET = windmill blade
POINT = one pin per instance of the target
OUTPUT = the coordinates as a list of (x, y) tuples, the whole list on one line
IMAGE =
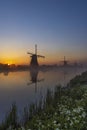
[(36, 49), (41, 56), (30, 53)]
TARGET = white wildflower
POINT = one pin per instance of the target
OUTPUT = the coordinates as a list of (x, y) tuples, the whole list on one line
[(54, 122), (68, 118), (68, 112), (42, 126), (76, 121), (22, 128), (83, 114), (57, 129), (71, 123), (80, 109), (59, 124), (75, 110)]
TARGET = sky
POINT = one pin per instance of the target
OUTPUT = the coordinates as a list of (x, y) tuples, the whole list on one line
[(58, 27)]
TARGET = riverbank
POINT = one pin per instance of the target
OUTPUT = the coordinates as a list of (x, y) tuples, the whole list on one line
[(63, 109)]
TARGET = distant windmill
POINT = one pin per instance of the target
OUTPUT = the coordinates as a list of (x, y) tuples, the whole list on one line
[(65, 62), (34, 56)]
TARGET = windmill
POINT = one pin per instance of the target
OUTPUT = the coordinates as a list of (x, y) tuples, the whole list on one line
[(65, 62), (34, 58)]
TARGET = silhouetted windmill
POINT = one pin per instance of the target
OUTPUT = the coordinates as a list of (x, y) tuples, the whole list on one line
[(34, 56), (65, 62)]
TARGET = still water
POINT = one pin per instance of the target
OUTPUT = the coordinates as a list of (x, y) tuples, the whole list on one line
[(26, 87)]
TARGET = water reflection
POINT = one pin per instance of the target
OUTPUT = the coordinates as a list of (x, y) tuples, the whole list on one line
[(26, 87), (65, 74), (5, 73), (34, 78)]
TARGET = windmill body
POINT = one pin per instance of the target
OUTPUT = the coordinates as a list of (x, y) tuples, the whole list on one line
[(34, 58), (34, 61), (65, 62)]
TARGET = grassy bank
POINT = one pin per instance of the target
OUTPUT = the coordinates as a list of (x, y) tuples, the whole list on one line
[(63, 109)]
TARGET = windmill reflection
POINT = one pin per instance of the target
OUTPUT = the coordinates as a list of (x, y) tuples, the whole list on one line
[(34, 78), (5, 73)]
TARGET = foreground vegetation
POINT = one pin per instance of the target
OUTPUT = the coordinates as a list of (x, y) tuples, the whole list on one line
[(63, 109)]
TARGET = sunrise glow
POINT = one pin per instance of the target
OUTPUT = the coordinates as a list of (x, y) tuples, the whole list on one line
[(57, 32)]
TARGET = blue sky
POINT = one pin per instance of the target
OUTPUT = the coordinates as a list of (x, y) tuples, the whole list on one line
[(58, 27)]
